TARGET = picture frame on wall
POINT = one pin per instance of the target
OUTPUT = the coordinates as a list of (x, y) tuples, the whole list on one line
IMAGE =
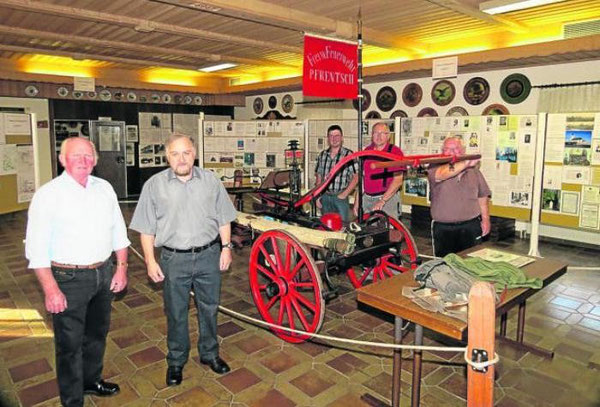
[(131, 134)]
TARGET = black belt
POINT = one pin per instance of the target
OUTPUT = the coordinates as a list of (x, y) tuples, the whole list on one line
[(464, 222), (197, 249)]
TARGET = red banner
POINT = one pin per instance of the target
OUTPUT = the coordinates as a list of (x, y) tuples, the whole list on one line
[(330, 68)]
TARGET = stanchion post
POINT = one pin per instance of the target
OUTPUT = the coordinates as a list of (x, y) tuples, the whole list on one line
[(481, 326)]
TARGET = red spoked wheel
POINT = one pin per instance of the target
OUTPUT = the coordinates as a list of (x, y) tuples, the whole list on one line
[(389, 264), (286, 285)]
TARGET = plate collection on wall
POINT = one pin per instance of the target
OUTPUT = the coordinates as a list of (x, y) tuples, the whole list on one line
[(515, 88), (442, 92), (287, 103), (398, 113), (272, 102), (373, 114), (386, 99), (495, 109), (457, 111), (412, 94), (427, 112), (258, 105), (476, 91), (366, 100)]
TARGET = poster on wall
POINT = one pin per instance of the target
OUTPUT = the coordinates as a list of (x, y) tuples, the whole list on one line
[(569, 204), (17, 124), (25, 174), (8, 159), (130, 154), (131, 134), (551, 200)]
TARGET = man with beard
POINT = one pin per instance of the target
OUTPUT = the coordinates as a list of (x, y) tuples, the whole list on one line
[(186, 211)]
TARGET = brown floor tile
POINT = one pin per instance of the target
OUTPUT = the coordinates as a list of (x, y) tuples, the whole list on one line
[(138, 301), (273, 398), (311, 383), (238, 380), (146, 356), (125, 340), (192, 397), (39, 393), (228, 328), (456, 384), (573, 352), (347, 363), (279, 362), (312, 348), (30, 369), (251, 344)]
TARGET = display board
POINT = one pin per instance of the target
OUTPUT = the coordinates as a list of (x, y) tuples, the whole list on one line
[(571, 182), (17, 176), (507, 148), (257, 147), (317, 138)]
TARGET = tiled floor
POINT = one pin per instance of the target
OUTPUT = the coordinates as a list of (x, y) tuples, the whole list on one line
[(564, 317)]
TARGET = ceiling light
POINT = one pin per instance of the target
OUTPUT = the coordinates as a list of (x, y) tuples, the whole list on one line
[(218, 67), (505, 6)]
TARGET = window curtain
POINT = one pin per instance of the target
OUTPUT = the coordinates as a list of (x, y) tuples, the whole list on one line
[(569, 99)]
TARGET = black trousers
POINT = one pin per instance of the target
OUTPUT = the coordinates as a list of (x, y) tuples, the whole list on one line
[(80, 330), (455, 237)]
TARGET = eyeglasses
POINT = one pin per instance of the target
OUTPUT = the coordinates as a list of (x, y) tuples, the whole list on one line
[(381, 133)]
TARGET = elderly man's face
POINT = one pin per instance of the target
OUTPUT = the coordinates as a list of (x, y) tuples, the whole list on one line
[(380, 136), (181, 155), (335, 138), (79, 159), (453, 147)]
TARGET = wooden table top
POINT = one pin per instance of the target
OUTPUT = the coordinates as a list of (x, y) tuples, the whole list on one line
[(387, 296)]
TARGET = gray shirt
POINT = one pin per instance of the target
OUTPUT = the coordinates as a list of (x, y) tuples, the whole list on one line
[(457, 199), (180, 214)]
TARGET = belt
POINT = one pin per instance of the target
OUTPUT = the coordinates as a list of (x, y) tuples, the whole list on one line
[(464, 222), (197, 249), (78, 266), (375, 195)]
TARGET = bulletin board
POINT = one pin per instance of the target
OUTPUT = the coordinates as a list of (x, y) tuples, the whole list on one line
[(571, 181), (17, 177), (507, 148), (317, 138), (257, 147)]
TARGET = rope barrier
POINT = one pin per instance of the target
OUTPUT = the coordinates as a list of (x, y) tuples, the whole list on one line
[(311, 335)]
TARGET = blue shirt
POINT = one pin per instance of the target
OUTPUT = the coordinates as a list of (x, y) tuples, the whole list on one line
[(72, 224)]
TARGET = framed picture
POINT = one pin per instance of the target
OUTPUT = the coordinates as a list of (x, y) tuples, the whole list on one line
[(130, 154), (131, 134)]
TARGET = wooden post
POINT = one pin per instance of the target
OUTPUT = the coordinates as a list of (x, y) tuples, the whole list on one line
[(482, 318)]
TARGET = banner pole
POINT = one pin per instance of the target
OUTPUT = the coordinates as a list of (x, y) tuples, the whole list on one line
[(360, 104)]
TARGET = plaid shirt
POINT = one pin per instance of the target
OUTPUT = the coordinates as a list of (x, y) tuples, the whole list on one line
[(325, 164)]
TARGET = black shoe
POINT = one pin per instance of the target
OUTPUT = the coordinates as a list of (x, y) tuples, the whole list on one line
[(174, 375), (102, 389), (217, 365)]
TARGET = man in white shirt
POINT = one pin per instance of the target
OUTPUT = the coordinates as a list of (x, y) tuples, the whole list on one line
[(74, 225)]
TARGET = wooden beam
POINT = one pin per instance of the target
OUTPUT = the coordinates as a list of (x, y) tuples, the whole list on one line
[(260, 11), (134, 47), (473, 12), (115, 19)]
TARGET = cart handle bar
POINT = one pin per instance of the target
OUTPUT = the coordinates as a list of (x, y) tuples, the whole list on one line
[(415, 161)]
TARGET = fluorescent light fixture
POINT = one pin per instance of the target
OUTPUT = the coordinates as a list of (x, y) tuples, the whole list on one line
[(505, 6), (219, 67)]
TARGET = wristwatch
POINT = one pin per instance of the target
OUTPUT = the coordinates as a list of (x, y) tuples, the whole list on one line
[(227, 245)]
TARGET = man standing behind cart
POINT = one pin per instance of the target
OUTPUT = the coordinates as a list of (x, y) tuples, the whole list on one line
[(459, 203), (335, 198), (381, 185), (186, 211)]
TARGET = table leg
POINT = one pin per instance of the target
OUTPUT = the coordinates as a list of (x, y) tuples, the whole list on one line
[(417, 361), (503, 319), (521, 322), (397, 367)]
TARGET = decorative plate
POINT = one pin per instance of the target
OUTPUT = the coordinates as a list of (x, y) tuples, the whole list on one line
[(77, 94), (62, 91), (177, 99), (187, 100), (427, 112), (272, 102), (155, 97), (366, 100), (198, 100), (166, 98), (105, 95), (119, 95), (92, 95), (31, 90), (373, 115), (143, 98), (495, 110), (386, 98), (476, 91), (398, 113), (287, 103), (442, 92), (515, 88), (412, 94), (132, 97), (457, 111), (258, 106)]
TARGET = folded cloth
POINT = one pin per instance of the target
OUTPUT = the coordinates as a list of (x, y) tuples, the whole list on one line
[(451, 284), (502, 274)]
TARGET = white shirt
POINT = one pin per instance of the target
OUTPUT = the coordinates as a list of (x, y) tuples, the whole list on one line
[(70, 224)]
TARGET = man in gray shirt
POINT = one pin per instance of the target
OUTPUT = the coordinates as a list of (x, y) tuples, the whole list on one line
[(459, 202), (186, 211)]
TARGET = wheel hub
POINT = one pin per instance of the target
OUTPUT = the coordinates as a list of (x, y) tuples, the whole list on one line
[(275, 288)]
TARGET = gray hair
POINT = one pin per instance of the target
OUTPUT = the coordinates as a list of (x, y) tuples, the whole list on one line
[(176, 136), (387, 126), (68, 140)]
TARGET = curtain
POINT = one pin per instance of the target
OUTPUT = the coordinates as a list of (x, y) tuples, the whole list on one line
[(570, 99)]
